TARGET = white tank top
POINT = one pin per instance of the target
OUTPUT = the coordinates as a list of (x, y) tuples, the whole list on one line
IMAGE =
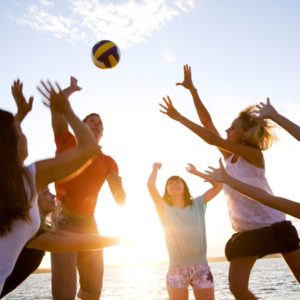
[(246, 214), (12, 243)]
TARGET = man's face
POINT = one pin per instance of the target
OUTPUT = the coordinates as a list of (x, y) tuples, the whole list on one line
[(96, 126)]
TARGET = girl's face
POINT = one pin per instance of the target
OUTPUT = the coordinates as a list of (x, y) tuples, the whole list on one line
[(175, 186), (22, 143), (236, 133)]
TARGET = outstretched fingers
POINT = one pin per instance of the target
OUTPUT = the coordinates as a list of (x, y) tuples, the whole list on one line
[(166, 105), (216, 174)]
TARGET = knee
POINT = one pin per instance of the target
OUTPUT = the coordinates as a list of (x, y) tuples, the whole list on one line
[(63, 291), (88, 296), (63, 296)]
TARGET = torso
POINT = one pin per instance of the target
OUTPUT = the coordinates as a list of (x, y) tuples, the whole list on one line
[(12, 244), (185, 233), (246, 214), (80, 193)]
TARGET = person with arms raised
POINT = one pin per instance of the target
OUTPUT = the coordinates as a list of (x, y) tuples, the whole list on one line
[(183, 220), (19, 214), (247, 137), (77, 196)]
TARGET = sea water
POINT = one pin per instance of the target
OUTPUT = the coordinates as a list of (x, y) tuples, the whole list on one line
[(270, 279)]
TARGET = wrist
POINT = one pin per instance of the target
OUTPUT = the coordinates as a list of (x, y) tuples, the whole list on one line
[(19, 118), (68, 112)]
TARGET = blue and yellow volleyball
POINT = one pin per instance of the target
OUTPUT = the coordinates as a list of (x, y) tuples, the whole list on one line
[(106, 54)]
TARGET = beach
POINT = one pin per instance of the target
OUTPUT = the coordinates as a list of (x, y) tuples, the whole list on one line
[(270, 279)]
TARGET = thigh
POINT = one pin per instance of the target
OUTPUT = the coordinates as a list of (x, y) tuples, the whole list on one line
[(178, 278), (201, 277), (202, 281), (178, 293), (207, 294), (90, 269), (293, 260), (63, 272), (240, 269)]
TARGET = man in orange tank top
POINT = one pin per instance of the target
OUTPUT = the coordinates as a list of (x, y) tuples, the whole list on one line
[(78, 198)]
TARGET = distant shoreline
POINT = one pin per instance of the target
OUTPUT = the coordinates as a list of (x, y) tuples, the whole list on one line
[(109, 266)]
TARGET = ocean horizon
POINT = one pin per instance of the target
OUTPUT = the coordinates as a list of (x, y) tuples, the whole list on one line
[(271, 279)]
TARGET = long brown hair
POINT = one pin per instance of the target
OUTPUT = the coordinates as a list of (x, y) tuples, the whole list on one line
[(14, 203), (186, 192)]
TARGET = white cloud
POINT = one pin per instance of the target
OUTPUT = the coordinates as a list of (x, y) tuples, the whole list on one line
[(126, 22)]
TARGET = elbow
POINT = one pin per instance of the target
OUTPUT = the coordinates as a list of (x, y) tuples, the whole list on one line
[(120, 198), (207, 122), (211, 140), (150, 185)]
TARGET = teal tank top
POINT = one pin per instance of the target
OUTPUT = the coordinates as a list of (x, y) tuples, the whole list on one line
[(185, 233)]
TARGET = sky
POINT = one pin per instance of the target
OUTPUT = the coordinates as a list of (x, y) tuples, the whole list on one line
[(240, 51)]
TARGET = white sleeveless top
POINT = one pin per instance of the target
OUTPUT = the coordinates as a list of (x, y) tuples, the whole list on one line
[(12, 243), (246, 214)]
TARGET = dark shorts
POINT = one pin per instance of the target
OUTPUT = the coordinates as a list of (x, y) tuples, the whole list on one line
[(280, 237)]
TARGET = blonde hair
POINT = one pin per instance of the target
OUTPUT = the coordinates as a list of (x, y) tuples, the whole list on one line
[(258, 133)]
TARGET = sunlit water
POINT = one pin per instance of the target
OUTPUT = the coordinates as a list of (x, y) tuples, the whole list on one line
[(271, 279)]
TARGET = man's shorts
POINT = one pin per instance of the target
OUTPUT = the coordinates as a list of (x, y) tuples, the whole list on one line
[(280, 237), (198, 276)]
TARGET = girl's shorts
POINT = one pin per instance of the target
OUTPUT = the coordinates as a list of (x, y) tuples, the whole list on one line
[(280, 237), (198, 276)]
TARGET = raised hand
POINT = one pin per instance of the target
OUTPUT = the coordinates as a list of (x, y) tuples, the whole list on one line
[(23, 106), (55, 98), (74, 85), (192, 169), (168, 109), (156, 166), (217, 174), (265, 110), (187, 78)]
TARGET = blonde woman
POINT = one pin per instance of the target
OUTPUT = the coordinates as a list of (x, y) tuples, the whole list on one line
[(242, 150)]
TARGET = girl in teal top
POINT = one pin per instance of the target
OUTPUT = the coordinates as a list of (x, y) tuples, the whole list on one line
[(184, 225)]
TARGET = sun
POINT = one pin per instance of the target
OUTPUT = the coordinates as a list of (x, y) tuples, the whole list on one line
[(140, 230)]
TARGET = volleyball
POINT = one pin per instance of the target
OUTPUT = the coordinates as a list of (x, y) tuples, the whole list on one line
[(106, 54)]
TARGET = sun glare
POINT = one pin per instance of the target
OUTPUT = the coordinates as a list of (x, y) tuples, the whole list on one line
[(141, 233)]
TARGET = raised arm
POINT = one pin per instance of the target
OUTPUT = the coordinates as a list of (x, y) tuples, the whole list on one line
[(151, 184), (59, 124), (116, 187), (202, 112), (216, 186), (226, 147), (267, 111), (23, 106), (66, 163), (285, 205)]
